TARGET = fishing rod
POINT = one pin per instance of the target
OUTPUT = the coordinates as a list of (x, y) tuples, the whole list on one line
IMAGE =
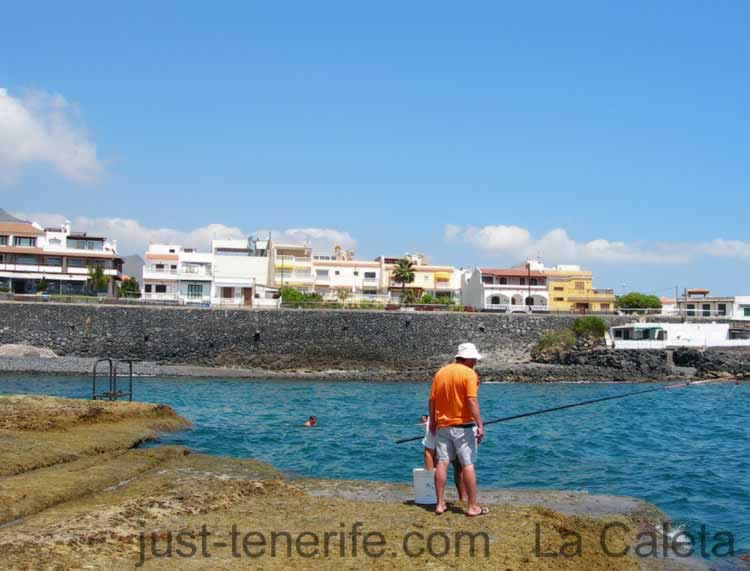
[(587, 402)]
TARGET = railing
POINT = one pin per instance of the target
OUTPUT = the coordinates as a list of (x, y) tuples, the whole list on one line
[(516, 308), (228, 301), (155, 270), (152, 296), (196, 270)]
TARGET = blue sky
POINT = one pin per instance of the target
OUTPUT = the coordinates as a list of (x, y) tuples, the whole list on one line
[(615, 136)]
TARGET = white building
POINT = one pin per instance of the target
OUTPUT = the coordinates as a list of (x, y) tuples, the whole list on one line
[(698, 303), (234, 273), (664, 335), (507, 290), (59, 256), (241, 274)]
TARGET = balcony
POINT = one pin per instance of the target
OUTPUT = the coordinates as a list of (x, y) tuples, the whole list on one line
[(292, 262), (163, 270), (30, 268), (443, 285), (294, 278)]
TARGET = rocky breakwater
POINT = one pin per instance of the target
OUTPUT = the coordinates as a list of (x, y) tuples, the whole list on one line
[(74, 493), (715, 362)]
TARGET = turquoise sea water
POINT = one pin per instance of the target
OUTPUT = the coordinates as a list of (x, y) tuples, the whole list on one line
[(684, 450)]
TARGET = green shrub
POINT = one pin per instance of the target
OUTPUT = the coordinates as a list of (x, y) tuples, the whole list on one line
[(589, 326), (291, 295), (563, 340)]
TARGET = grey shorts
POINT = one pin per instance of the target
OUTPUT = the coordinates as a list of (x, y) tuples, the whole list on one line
[(456, 442)]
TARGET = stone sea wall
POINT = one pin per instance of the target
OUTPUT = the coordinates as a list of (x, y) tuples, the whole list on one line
[(278, 339)]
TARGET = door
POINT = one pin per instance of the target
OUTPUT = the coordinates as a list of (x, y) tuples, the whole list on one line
[(247, 294)]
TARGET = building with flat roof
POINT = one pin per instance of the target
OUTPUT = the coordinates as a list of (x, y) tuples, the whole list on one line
[(699, 303), (60, 257)]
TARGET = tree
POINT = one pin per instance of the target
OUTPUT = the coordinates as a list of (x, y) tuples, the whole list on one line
[(97, 281), (42, 285), (403, 274), (637, 300), (129, 288), (342, 293)]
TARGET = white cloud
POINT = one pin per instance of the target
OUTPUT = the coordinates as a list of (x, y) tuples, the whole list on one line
[(556, 246), (44, 127), (451, 232), (727, 248), (134, 237)]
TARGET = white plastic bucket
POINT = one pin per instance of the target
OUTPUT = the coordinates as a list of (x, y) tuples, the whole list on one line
[(424, 486)]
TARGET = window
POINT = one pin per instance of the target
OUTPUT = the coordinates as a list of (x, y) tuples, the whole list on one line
[(55, 242), (370, 275), (76, 262), (559, 299), (604, 306), (356, 273), (494, 300), (195, 291), (161, 288), (522, 281), (503, 281), (691, 309), (580, 285), (321, 274), (147, 288), (618, 333), (173, 266), (26, 260), (487, 279), (706, 310), (3, 240), (558, 288), (54, 261), (746, 312), (722, 309), (24, 242), (532, 281), (338, 273), (159, 266), (171, 250), (85, 244)]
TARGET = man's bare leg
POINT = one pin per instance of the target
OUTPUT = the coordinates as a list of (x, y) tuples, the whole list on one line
[(441, 476), (459, 481), (469, 476), (429, 459)]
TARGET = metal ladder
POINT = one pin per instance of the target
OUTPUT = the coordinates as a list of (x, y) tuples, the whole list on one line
[(113, 393)]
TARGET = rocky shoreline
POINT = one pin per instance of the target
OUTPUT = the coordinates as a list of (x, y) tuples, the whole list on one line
[(590, 365)]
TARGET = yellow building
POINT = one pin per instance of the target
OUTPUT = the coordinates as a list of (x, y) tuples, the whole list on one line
[(571, 289)]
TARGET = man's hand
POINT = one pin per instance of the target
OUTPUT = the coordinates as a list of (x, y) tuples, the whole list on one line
[(480, 433)]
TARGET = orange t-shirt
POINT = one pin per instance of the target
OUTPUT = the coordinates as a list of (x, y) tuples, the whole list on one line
[(451, 388)]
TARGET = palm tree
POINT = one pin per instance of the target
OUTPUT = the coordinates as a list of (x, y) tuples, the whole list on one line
[(97, 280), (403, 273)]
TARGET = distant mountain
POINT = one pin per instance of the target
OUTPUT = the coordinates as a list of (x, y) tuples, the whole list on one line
[(6, 216), (133, 267)]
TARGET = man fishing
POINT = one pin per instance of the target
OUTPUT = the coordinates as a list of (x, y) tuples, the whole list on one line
[(454, 414)]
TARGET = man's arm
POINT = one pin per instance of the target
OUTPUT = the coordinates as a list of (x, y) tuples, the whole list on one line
[(474, 409), (433, 420)]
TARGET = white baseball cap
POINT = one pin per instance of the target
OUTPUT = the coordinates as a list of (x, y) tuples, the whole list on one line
[(468, 351)]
